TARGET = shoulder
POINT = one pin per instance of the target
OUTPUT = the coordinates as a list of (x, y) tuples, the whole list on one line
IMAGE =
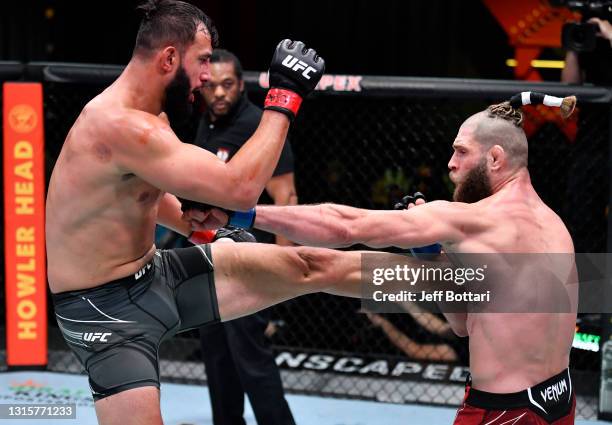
[(463, 217), (557, 230), (134, 128), (458, 210), (137, 138)]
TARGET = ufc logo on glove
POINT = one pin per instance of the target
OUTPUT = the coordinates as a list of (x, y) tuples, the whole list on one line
[(288, 86), (295, 64)]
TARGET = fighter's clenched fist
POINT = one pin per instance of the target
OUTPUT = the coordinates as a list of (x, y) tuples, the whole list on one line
[(294, 72)]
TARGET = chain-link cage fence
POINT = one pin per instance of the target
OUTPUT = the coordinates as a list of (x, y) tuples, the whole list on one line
[(368, 149)]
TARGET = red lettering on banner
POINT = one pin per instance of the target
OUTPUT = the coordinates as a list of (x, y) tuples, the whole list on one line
[(354, 83), (339, 83), (326, 82), (263, 80)]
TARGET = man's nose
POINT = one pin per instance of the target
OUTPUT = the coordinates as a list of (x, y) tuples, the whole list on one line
[(219, 91), (205, 76)]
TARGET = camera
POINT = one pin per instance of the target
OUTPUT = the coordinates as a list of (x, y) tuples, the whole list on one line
[(582, 37), (579, 37)]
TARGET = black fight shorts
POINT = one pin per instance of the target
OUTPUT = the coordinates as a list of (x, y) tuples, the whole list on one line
[(115, 329)]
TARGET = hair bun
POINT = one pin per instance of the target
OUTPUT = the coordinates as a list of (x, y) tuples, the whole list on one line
[(566, 104), (506, 111)]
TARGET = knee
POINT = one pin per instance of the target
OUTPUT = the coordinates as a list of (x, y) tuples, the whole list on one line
[(298, 266), (316, 266)]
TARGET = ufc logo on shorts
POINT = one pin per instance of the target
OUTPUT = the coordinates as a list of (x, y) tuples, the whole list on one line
[(296, 64), (140, 273), (96, 336)]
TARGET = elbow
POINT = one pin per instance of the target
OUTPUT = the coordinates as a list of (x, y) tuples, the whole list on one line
[(341, 232), (245, 199), (347, 236), (244, 192), (246, 195)]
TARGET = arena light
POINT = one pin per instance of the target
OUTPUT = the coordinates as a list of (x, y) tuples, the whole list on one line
[(539, 63), (584, 341)]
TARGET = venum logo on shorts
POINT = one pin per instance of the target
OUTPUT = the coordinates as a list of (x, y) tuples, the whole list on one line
[(295, 64), (140, 273), (554, 391)]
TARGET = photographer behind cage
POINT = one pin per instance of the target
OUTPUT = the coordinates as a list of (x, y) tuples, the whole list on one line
[(588, 60), (595, 66)]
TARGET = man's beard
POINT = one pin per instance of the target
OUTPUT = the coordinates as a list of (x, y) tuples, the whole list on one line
[(476, 185), (176, 101)]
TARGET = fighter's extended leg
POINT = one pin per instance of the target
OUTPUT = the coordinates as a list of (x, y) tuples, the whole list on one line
[(251, 277), (138, 406)]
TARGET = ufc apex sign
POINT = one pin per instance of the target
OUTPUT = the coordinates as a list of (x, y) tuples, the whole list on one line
[(296, 65)]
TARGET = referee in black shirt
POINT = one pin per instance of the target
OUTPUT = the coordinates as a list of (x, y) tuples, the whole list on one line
[(237, 356)]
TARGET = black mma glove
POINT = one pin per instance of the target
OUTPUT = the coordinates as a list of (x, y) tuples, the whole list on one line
[(234, 233), (294, 72), (408, 199), (208, 236), (422, 251), (242, 219)]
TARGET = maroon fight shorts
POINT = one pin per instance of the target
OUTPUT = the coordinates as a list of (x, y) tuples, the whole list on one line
[(549, 402)]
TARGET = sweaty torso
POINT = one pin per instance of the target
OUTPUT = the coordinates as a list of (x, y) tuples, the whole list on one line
[(512, 351), (100, 220)]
